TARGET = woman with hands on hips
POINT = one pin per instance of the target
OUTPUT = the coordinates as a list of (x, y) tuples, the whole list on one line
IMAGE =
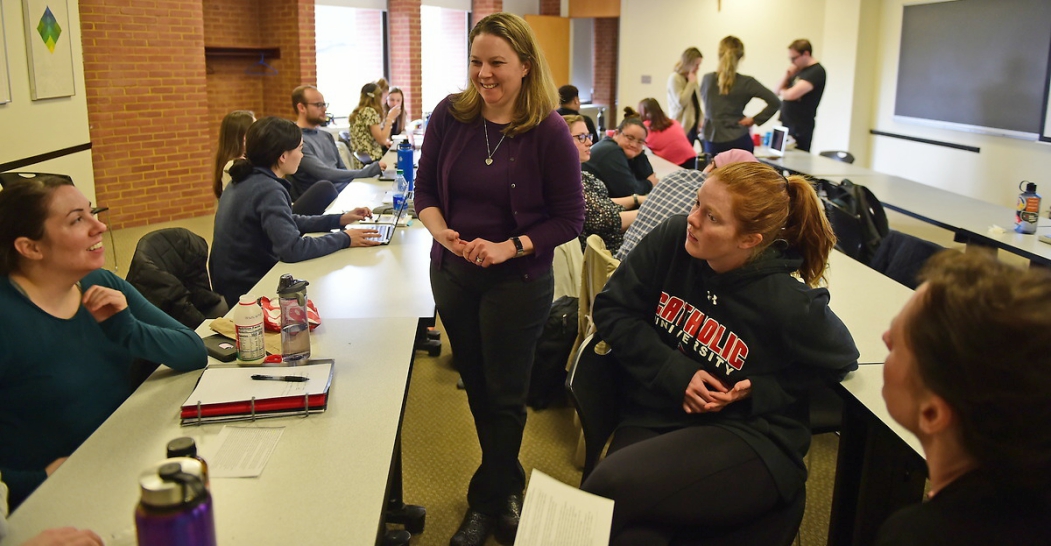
[(254, 224), (499, 188), (717, 344), (70, 330)]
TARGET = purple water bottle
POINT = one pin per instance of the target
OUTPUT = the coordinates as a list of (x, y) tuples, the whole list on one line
[(175, 508)]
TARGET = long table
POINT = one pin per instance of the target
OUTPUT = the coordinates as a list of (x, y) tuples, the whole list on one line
[(327, 481)]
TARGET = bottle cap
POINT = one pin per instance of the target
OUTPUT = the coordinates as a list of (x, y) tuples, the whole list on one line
[(247, 300), (182, 447), (400, 171), (1029, 186), (294, 289), (172, 482)]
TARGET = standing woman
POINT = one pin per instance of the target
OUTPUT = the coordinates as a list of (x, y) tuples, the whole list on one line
[(231, 146), (665, 136), (370, 134), (684, 93), (726, 93), (717, 342), (499, 188)]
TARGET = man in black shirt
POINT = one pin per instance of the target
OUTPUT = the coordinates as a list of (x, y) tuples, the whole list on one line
[(569, 105), (800, 90)]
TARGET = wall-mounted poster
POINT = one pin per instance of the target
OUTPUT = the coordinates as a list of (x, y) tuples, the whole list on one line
[(5, 79), (48, 48)]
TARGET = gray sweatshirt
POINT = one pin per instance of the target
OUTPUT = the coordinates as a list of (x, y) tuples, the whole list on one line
[(321, 161), (723, 112)]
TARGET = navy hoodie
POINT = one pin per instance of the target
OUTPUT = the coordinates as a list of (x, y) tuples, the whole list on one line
[(667, 314)]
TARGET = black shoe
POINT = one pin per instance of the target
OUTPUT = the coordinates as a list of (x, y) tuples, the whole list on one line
[(474, 529), (507, 525)]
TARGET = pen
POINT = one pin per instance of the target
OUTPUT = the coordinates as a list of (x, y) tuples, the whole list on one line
[(289, 378)]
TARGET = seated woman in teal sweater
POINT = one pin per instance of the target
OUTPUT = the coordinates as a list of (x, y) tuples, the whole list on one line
[(69, 330)]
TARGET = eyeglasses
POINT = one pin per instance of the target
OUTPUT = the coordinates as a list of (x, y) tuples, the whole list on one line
[(582, 137), (318, 104), (634, 141)]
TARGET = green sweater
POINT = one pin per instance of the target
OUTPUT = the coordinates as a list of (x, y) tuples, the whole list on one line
[(61, 378)]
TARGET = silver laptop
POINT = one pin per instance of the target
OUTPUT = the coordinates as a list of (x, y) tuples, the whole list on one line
[(386, 223)]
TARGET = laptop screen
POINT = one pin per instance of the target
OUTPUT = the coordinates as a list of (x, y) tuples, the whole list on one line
[(778, 141)]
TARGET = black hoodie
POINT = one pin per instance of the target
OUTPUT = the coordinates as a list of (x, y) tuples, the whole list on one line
[(667, 314)]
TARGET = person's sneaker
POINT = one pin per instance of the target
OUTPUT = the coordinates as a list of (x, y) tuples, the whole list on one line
[(474, 529), (507, 524)]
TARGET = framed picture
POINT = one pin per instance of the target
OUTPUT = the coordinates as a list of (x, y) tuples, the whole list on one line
[(48, 48), (5, 77)]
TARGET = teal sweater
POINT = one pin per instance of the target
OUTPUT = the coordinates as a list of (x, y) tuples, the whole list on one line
[(61, 378)]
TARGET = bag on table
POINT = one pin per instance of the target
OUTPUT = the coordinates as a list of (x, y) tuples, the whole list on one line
[(857, 218)]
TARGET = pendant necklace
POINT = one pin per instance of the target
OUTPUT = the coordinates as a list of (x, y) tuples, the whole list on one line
[(485, 129)]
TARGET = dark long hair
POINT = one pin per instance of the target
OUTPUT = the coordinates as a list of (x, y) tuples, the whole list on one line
[(231, 143), (650, 110), (266, 140), (24, 207)]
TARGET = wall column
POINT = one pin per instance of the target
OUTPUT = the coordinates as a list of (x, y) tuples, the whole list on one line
[(403, 22), (604, 61)]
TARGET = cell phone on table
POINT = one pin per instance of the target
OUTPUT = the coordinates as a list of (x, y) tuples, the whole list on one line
[(221, 348)]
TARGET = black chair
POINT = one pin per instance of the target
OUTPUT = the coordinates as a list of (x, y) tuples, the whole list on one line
[(838, 155), (593, 388), (901, 257)]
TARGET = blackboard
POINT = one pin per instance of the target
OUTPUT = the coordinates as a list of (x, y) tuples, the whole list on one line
[(982, 64)]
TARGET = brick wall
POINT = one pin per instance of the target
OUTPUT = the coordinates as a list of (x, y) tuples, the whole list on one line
[(604, 62), (404, 25), (231, 23), (289, 25), (147, 108), (551, 7), (481, 8)]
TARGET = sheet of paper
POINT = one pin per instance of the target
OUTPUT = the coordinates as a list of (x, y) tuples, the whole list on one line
[(241, 452), (556, 514), (220, 385)]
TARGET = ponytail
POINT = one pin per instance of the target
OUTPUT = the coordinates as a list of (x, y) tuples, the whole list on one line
[(240, 170), (807, 229), (731, 49)]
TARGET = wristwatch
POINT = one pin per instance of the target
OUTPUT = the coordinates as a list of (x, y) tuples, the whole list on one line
[(519, 250)]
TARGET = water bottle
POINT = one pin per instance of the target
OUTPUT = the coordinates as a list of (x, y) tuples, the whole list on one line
[(186, 447), (601, 122), (401, 190), (1028, 209), (248, 322), (405, 162), (295, 330), (175, 508)]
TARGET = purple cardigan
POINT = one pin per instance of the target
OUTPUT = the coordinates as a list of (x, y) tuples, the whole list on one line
[(545, 191)]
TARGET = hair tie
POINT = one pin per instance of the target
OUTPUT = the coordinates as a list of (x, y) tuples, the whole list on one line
[(371, 96)]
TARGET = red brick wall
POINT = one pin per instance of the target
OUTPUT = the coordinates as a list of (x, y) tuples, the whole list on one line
[(604, 61), (551, 7), (403, 21), (289, 25), (481, 8), (147, 108), (231, 23)]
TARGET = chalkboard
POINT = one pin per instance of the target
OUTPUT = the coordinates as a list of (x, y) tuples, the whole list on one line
[(977, 63)]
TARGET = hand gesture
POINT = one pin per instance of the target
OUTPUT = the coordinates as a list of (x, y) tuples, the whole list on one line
[(792, 70), (741, 390), (486, 253), (707, 393), (746, 122), (352, 216), (104, 302), (51, 468), (394, 113), (451, 240), (66, 536), (362, 237), (383, 165), (691, 76)]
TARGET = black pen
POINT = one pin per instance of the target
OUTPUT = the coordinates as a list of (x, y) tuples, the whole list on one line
[(289, 378)]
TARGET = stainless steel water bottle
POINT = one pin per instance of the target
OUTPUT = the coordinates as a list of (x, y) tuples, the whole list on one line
[(175, 508)]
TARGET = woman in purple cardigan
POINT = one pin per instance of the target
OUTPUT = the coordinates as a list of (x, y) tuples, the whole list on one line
[(499, 188)]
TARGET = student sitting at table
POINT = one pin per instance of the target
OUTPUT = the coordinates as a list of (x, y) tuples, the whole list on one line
[(666, 136), (232, 132), (369, 133), (70, 330), (394, 105), (969, 374), (620, 161), (717, 341), (254, 224)]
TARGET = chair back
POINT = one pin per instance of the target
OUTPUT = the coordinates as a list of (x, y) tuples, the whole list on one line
[(592, 388), (901, 257), (8, 177), (838, 155)]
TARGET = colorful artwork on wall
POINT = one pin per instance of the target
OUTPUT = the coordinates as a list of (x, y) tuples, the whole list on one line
[(48, 48)]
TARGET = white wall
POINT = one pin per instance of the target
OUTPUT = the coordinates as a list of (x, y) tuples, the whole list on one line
[(522, 7), (30, 127), (991, 175)]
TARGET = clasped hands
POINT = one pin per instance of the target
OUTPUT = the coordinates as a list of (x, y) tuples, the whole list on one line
[(706, 393), (479, 252)]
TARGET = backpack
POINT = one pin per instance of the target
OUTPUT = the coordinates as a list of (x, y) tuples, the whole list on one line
[(857, 218), (547, 383)]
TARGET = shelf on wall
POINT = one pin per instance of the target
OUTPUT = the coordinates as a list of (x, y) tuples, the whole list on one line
[(242, 52)]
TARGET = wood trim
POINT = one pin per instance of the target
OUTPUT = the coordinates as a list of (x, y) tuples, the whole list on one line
[(594, 8)]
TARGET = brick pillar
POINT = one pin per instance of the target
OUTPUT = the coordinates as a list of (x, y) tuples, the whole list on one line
[(289, 25), (403, 22), (481, 8), (147, 102), (551, 7), (604, 61)]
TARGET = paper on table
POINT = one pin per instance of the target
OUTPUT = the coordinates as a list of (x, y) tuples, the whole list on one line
[(222, 385), (241, 452), (560, 514)]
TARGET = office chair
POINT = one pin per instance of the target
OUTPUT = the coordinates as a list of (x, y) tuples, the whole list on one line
[(838, 155), (363, 158), (8, 177), (901, 256)]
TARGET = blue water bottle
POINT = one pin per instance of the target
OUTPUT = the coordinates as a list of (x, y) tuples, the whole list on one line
[(405, 162)]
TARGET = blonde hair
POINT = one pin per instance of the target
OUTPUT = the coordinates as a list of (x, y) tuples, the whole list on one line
[(371, 97), (538, 96), (731, 49), (688, 56), (776, 207)]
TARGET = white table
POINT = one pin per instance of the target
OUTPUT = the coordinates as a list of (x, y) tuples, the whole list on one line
[(814, 165)]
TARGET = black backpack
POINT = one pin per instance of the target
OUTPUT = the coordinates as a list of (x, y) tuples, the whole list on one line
[(857, 218), (547, 383)]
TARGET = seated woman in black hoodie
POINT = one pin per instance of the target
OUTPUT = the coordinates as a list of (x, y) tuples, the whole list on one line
[(717, 341)]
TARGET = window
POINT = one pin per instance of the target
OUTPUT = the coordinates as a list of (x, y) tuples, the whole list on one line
[(350, 49), (443, 37)]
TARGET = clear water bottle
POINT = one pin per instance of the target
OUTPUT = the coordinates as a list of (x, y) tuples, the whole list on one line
[(401, 190), (1028, 209), (406, 162), (175, 508), (295, 329)]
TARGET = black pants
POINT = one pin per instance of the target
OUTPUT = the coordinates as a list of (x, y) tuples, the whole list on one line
[(493, 318), (803, 133), (316, 199), (686, 478), (716, 148)]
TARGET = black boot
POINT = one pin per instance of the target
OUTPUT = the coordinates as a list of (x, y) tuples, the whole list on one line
[(507, 525), (474, 529)]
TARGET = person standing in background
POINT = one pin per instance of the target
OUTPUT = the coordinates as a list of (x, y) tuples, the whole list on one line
[(800, 90), (725, 94), (684, 93)]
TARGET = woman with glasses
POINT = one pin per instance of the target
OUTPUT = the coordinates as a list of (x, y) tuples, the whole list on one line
[(620, 163), (604, 216), (725, 94), (70, 330), (666, 137)]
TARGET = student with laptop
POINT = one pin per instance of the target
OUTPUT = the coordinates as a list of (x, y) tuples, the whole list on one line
[(969, 373), (254, 224), (70, 330)]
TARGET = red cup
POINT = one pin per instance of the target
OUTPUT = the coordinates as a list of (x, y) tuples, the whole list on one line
[(757, 139)]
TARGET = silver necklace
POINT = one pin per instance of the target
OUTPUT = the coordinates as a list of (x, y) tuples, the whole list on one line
[(485, 129)]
